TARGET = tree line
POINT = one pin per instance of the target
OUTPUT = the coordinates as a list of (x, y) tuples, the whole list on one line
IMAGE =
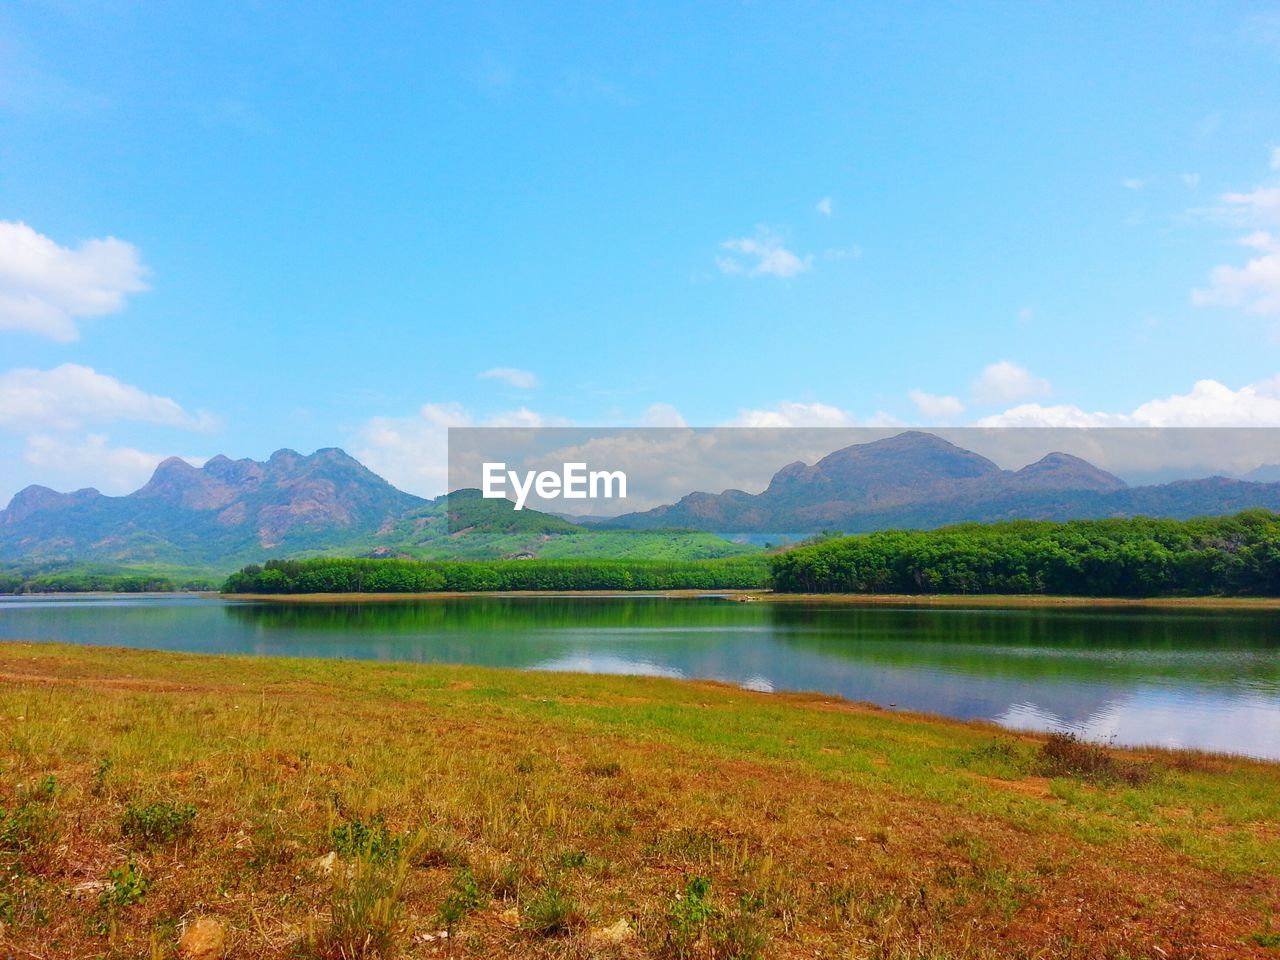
[(1136, 557), (19, 583), (352, 575)]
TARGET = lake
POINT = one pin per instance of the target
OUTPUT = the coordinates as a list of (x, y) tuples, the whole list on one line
[(1174, 677)]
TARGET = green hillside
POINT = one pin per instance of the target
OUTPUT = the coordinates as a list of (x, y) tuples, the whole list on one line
[(465, 526), (191, 526)]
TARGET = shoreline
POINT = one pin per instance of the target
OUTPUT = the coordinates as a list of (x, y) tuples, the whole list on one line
[(112, 593), (939, 600), (994, 601), (789, 699)]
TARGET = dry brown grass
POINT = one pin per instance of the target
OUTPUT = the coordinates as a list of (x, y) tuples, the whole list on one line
[(536, 815)]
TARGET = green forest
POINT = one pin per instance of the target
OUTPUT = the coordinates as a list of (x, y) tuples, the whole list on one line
[(1138, 557), (16, 580), (342, 575)]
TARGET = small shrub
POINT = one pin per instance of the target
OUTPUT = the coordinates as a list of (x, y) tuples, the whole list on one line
[(462, 899), (687, 916), (572, 859), (159, 822), (125, 886), (365, 907), (551, 913), (1066, 755), (366, 839)]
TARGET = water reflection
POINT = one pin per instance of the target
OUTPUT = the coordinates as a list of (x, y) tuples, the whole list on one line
[(1181, 678)]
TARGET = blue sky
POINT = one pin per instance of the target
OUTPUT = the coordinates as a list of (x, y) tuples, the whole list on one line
[(240, 226)]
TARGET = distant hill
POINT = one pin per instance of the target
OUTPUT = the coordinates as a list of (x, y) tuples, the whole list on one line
[(217, 514), (918, 480), (231, 512), (1267, 473), (465, 526)]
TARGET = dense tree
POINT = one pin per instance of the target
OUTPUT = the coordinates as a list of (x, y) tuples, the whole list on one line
[(76, 581), (342, 575), (1139, 557)]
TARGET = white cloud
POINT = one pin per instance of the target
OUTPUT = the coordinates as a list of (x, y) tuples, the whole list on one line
[(92, 461), (825, 206), (70, 395), (1133, 183), (765, 256), (413, 452), (512, 376), (523, 417), (1208, 404), (933, 405), (1255, 286), (1058, 415), (1260, 205), (1211, 404), (662, 415), (1004, 382), (790, 414), (45, 288), (1192, 180)]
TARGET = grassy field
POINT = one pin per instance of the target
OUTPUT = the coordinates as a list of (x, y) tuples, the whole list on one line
[(328, 809)]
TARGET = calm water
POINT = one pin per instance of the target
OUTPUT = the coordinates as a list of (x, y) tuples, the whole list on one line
[(1208, 679)]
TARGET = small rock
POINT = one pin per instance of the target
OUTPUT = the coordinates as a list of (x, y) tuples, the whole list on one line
[(205, 939), (619, 932)]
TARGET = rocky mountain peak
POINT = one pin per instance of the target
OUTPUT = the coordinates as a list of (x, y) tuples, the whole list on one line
[(1062, 471), (35, 498)]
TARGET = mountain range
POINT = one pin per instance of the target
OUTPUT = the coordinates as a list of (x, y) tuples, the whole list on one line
[(918, 480), (199, 515), (229, 512)]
